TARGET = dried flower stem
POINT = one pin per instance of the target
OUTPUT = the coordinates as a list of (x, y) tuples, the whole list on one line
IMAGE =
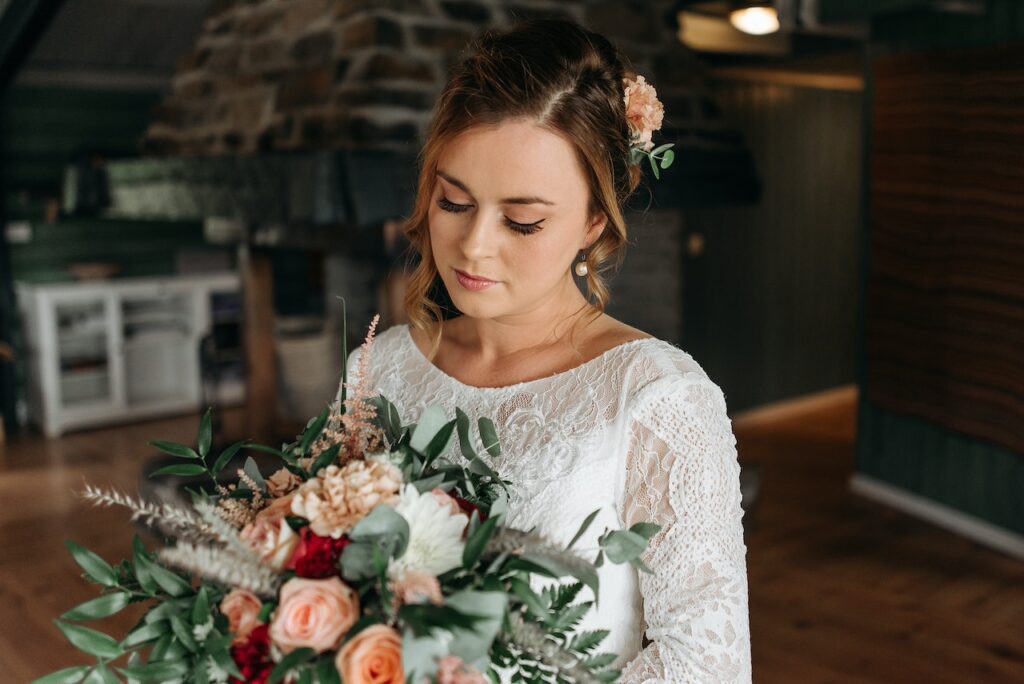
[(170, 519), (223, 566)]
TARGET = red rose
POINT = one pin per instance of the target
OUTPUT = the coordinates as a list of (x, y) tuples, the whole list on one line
[(316, 557), (253, 657), (468, 508)]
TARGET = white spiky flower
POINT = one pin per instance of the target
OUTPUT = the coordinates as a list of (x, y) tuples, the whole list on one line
[(435, 534)]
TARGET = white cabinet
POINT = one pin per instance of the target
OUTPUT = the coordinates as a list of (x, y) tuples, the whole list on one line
[(117, 350)]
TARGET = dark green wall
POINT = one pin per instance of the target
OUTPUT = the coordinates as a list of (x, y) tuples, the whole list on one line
[(42, 130), (972, 476), (770, 306)]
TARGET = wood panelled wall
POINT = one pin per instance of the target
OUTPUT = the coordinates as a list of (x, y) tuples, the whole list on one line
[(771, 289), (944, 310)]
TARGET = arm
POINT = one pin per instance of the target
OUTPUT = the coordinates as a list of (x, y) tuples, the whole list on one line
[(682, 473)]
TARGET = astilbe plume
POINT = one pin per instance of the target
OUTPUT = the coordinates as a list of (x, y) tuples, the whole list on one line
[(240, 512), (353, 429)]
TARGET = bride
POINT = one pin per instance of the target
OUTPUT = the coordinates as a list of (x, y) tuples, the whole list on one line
[(526, 165)]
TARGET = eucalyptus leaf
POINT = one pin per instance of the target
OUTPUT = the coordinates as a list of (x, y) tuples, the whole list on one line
[(645, 529), (253, 471), (430, 422), (471, 644), (489, 436), (420, 655), (622, 546)]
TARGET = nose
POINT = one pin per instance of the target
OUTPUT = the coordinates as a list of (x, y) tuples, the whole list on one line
[(477, 237)]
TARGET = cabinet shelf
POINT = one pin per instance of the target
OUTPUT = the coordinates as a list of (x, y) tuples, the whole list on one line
[(118, 350)]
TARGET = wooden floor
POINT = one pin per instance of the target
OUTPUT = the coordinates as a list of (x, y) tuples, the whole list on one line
[(841, 589)]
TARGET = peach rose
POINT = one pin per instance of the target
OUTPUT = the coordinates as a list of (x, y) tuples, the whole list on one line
[(373, 656), (270, 535), (242, 609), (313, 613), (283, 482), (451, 670)]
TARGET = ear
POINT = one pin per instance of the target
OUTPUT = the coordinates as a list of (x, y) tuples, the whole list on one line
[(594, 230)]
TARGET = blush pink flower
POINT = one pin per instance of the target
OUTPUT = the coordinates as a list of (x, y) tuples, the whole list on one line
[(313, 613), (451, 670), (644, 111), (270, 536), (242, 608), (444, 499)]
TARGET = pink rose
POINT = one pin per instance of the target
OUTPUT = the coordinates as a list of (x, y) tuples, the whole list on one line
[(373, 656), (242, 609), (313, 613), (451, 670), (444, 499), (270, 536)]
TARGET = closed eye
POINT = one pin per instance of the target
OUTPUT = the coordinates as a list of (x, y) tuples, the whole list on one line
[(519, 228)]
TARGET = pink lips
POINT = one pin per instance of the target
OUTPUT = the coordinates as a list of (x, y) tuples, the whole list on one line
[(471, 283)]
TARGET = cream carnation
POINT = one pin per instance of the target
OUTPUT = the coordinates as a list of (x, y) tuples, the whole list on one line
[(282, 482), (339, 497), (435, 534), (644, 111)]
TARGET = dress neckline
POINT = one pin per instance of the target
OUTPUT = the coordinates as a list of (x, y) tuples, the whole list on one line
[(407, 335)]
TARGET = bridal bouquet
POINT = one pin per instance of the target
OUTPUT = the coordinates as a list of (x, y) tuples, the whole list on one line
[(364, 557)]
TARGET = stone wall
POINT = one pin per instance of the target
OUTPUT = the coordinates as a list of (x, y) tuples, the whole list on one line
[(277, 75)]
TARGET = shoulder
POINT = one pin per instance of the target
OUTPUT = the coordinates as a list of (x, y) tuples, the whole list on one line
[(665, 377)]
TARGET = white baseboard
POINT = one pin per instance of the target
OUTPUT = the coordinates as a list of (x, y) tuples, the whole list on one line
[(939, 514)]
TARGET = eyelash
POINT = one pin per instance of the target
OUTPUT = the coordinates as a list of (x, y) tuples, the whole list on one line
[(520, 228)]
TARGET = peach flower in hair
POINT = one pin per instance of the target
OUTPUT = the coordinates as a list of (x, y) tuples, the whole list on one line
[(644, 111)]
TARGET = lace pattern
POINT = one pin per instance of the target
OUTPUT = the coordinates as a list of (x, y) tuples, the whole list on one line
[(642, 432)]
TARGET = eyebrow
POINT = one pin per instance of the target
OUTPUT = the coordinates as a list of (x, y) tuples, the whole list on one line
[(508, 200)]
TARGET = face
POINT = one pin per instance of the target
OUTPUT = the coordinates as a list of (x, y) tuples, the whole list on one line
[(509, 205)]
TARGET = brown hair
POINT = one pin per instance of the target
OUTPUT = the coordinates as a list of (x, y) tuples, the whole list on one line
[(566, 79)]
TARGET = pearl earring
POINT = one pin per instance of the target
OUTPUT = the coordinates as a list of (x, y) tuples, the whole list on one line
[(581, 266)]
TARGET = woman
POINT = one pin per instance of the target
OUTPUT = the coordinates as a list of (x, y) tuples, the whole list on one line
[(527, 163)]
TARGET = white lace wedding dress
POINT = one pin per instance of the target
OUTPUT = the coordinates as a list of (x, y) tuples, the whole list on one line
[(640, 432)]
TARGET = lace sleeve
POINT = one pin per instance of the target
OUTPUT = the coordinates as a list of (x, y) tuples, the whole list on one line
[(682, 472)]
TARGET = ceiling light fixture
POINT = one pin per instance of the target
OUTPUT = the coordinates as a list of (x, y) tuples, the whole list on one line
[(755, 18)]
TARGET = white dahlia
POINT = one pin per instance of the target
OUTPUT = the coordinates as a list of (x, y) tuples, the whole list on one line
[(435, 534)]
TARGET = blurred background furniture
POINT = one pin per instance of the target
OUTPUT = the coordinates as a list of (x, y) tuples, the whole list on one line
[(118, 350)]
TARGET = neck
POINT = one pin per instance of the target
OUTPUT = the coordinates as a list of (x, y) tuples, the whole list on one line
[(546, 324)]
